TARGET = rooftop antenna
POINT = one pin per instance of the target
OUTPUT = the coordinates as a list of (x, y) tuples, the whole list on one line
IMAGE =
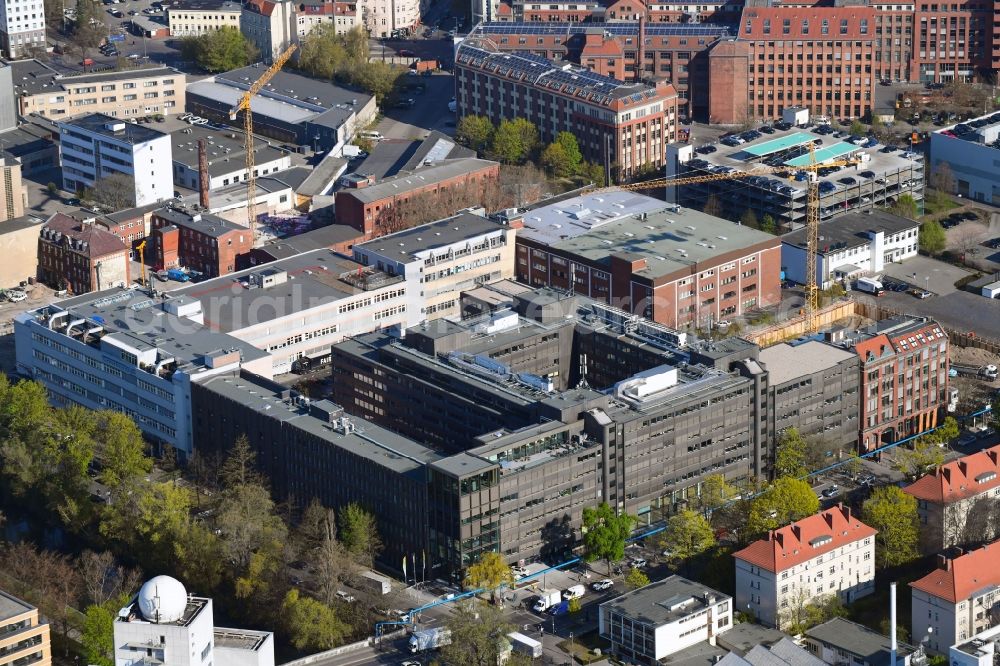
[(582, 384)]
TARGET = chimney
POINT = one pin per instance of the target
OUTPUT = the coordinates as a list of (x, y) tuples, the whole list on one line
[(943, 562), (963, 467), (202, 174), (846, 510), (828, 517), (992, 455), (797, 531), (640, 67), (946, 473)]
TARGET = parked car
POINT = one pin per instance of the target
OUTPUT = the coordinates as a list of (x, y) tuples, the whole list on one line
[(602, 585), (920, 293), (15, 295), (519, 571), (639, 563), (832, 491), (345, 596)]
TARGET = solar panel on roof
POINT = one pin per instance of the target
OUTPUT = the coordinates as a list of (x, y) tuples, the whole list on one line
[(658, 30)]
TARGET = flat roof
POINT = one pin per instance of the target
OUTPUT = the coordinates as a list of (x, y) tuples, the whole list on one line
[(205, 5), (780, 143), (407, 244), (206, 223), (315, 278), (225, 149), (785, 362), (670, 237), (98, 124), (853, 638), (264, 106), (849, 230), (315, 239), (824, 154), (33, 77), (11, 606), (239, 639), (665, 601), (405, 182)]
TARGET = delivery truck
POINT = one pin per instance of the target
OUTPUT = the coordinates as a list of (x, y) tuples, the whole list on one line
[(525, 645), (546, 600), (375, 583), (429, 639), (869, 286)]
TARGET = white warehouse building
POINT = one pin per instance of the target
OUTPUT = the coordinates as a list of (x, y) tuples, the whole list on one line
[(971, 150), (96, 146), (853, 245)]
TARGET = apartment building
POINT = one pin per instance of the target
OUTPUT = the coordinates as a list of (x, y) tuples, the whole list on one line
[(22, 28), (123, 94), (856, 244), (24, 637), (627, 125), (957, 502), (193, 18), (904, 378), (828, 554), (270, 25), (955, 602), (663, 618), (120, 349), (439, 261), (19, 247), (80, 256), (96, 146), (384, 18), (207, 243), (444, 187), (343, 16), (674, 265), (13, 192)]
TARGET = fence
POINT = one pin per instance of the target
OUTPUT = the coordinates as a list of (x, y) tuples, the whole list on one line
[(343, 649), (965, 339), (796, 326)]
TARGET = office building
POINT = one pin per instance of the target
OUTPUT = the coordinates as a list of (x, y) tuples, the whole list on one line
[(19, 247), (343, 16), (13, 193), (269, 25), (957, 502), (904, 378), (202, 242), (128, 93), (813, 387), (760, 168), (954, 602), (80, 256), (296, 308), (839, 641), (831, 553), (438, 189), (440, 260), (627, 125), (653, 622), (293, 109), (120, 349), (22, 29), (96, 146), (980, 650), (970, 150), (857, 244), (164, 624), (194, 18), (226, 153), (24, 637), (674, 265)]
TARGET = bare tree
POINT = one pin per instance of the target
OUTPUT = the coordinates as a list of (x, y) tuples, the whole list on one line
[(104, 578)]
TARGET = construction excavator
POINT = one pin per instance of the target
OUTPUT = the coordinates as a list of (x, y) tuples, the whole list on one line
[(812, 212), (244, 106)]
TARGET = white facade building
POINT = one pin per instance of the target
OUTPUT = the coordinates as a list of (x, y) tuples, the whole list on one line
[(269, 25), (343, 16), (382, 17), (96, 146), (22, 27), (853, 245), (980, 650), (163, 624), (119, 349), (655, 621), (972, 155), (830, 553)]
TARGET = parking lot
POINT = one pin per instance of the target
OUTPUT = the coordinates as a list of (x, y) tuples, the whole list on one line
[(429, 111)]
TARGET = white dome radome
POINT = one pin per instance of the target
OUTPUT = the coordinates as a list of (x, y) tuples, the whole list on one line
[(162, 599)]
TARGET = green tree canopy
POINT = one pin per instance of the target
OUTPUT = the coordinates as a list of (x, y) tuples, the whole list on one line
[(768, 225), (605, 533), (323, 53), (489, 573), (376, 78), (312, 625), (715, 493), (556, 161), (220, 50), (905, 206), (474, 132), (894, 514), (514, 140), (687, 534), (790, 455), (359, 534), (635, 578), (923, 455), (478, 635), (571, 147), (785, 501), (111, 193), (933, 240), (121, 449)]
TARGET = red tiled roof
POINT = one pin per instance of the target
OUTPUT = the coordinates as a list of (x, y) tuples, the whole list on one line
[(959, 479), (964, 575), (814, 16), (808, 538), (262, 7), (100, 241), (503, 9)]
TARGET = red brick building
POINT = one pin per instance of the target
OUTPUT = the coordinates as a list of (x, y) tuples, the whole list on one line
[(198, 241), (448, 186), (625, 125), (80, 256), (904, 379), (678, 267)]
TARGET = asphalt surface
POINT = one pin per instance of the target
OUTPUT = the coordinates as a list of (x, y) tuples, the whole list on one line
[(429, 111)]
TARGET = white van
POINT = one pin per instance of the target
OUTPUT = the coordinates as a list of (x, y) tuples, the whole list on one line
[(574, 592), (370, 135)]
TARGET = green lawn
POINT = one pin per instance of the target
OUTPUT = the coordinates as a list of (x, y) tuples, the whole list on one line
[(583, 645), (935, 204)]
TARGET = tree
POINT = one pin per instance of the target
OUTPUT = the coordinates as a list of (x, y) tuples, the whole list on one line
[(853, 464), (239, 467), (88, 29), (323, 53), (933, 240), (715, 493), (635, 578), (712, 206), (555, 159), (104, 579), (198, 557), (111, 193), (802, 613), (942, 180), (97, 633), (905, 206), (474, 132), (790, 455), (478, 635), (489, 573), (359, 534), (893, 514), (687, 534), (52, 188), (121, 449), (605, 533), (514, 140), (575, 605), (330, 565), (312, 625), (858, 128), (593, 173), (376, 78), (768, 225), (570, 146), (924, 455), (785, 501), (249, 525), (749, 219), (220, 50)]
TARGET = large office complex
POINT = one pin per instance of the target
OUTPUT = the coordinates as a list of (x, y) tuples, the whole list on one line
[(971, 150), (674, 265), (626, 125), (96, 146)]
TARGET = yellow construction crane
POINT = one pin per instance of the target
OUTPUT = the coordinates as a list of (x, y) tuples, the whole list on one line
[(141, 247), (812, 212), (244, 106)]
